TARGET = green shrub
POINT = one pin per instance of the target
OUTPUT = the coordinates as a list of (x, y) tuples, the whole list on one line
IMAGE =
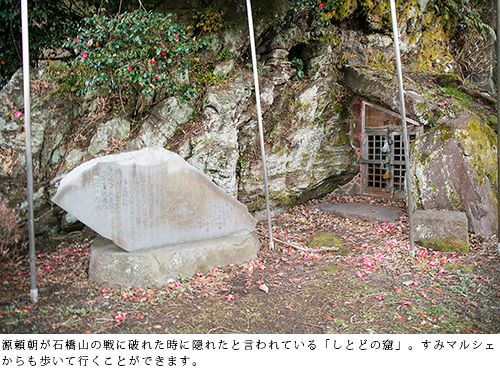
[(50, 22), (141, 52)]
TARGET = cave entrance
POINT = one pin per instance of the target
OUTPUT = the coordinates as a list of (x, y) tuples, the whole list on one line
[(296, 51), (383, 153)]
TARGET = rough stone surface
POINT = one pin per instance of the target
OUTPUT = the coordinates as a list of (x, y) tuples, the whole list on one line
[(306, 120), (321, 61), (149, 198), (164, 120), (371, 213), (381, 86), (111, 266), (73, 159), (422, 4), (369, 86), (224, 68), (69, 223), (454, 168), (117, 129), (215, 151), (308, 154), (51, 119), (442, 230)]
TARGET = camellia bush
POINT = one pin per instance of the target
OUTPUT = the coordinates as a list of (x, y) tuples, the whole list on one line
[(50, 22), (141, 53)]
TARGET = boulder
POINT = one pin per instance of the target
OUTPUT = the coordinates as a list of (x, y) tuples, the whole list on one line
[(441, 230), (454, 168)]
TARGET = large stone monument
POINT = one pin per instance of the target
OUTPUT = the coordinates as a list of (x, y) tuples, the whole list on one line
[(159, 218)]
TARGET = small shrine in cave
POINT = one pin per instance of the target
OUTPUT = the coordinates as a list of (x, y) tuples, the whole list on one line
[(376, 135)]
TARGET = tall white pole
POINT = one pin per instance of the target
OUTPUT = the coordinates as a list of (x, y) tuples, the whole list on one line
[(498, 124), (403, 119), (259, 119), (27, 140)]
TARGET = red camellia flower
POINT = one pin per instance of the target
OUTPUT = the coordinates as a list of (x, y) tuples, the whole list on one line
[(2, 62), (84, 55), (176, 35), (320, 5), (75, 40), (156, 76), (152, 61), (129, 68)]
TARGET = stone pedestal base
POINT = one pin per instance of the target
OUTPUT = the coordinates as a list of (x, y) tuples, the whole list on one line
[(111, 266)]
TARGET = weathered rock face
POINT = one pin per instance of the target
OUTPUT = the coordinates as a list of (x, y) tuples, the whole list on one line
[(164, 120), (454, 168), (216, 150), (308, 151), (307, 142), (50, 121), (308, 128), (307, 145), (381, 86)]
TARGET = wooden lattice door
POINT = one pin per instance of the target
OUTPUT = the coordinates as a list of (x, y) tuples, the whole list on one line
[(383, 151)]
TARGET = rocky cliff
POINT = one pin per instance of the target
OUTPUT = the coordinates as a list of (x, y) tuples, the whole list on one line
[(312, 138)]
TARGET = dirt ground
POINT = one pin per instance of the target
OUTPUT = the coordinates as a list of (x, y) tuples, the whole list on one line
[(370, 284)]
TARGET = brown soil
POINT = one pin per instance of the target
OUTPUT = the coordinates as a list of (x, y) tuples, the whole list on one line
[(377, 287)]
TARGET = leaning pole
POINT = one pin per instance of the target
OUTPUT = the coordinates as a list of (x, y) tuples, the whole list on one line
[(27, 140), (409, 198), (259, 119)]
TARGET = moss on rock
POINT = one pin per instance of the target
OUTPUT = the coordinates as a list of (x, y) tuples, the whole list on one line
[(448, 80), (461, 267), (342, 9), (479, 142), (329, 240), (448, 244), (432, 54), (325, 239)]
